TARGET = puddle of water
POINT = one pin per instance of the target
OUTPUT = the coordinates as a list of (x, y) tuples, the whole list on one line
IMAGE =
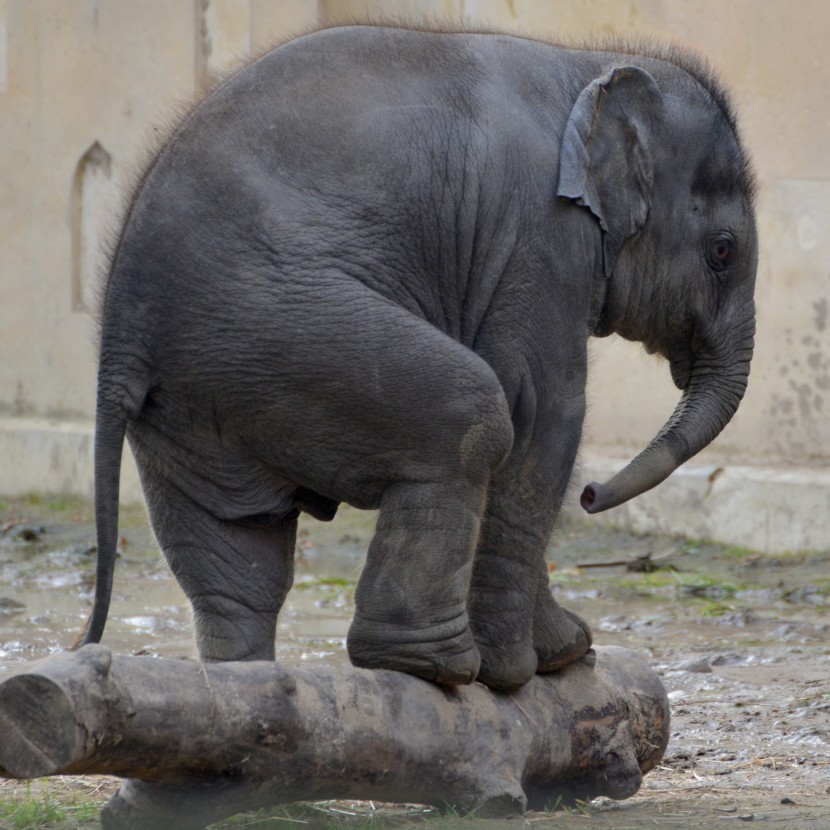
[(712, 603), (741, 642), (46, 582)]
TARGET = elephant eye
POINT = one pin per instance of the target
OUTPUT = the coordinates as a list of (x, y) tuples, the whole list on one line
[(720, 252)]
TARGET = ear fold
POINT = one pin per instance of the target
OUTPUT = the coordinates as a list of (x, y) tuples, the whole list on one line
[(606, 160)]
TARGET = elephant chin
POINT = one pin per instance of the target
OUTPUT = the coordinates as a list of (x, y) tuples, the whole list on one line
[(708, 403)]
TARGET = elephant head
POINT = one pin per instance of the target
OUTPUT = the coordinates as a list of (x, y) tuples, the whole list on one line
[(657, 161)]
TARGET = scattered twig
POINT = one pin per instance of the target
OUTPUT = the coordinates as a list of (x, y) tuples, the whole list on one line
[(646, 563), (524, 712)]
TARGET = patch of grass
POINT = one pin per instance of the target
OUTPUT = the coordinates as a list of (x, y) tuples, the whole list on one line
[(56, 503), (567, 576), (130, 516), (691, 546), (568, 807), (582, 808), (63, 504), (656, 579), (86, 813), (557, 804), (30, 812), (345, 815), (450, 812), (715, 609), (326, 582), (60, 507), (808, 594), (266, 819), (737, 552), (704, 587)]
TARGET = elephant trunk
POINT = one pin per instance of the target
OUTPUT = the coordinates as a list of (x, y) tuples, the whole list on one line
[(716, 387)]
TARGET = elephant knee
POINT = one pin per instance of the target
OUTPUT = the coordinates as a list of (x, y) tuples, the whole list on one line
[(486, 443)]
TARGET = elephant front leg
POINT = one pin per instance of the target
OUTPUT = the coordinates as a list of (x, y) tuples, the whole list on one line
[(411, 608), (501, 602), (518, 626), (560, 636)]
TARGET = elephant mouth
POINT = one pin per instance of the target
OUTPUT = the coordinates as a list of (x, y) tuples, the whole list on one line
[(680, 364)]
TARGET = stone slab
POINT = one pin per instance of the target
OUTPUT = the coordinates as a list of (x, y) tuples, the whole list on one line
[(769, 509), (764, 508)]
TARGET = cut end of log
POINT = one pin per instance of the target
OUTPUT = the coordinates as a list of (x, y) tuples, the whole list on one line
[(37, 722)]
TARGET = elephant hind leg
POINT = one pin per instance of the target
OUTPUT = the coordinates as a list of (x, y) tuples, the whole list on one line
[(237, 620), (235, 574)]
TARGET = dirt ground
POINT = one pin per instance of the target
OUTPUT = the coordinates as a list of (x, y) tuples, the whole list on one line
[(741, 641)]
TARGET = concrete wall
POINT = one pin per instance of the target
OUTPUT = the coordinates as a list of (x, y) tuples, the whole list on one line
[(85, 86)]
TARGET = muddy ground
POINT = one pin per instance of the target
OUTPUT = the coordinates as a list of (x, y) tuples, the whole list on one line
[(741, 641)]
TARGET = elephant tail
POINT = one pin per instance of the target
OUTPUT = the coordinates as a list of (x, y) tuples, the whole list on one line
[(110, 430)]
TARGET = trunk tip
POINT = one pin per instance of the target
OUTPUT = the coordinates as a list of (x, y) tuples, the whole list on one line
[(588, 499), (599, 497)]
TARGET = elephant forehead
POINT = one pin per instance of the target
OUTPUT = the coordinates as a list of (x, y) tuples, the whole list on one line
[(704, 143)]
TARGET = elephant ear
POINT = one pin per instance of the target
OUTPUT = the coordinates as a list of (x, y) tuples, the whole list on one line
[(606, 160)]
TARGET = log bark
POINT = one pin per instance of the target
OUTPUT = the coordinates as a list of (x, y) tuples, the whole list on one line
[(201, 742)]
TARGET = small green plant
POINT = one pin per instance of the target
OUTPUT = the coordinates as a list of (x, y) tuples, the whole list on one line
[(85, 813), (266, 819), (31, 812), (705, 587), (566, 577), (58, 505), (647, 581), (736, 552), (568, 807), (558, 804), (582, 808), (455, 813), (326, 582)]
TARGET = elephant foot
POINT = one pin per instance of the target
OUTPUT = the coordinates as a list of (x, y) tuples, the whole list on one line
[(506, 668), (447, 657), (560, 637)]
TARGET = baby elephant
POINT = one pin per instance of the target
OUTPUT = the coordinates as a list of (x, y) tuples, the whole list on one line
[(365, 270)]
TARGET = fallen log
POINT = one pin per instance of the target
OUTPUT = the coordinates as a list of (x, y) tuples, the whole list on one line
[(201, 742)]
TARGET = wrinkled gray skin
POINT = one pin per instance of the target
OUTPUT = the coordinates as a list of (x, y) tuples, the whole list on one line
[(364, 270)]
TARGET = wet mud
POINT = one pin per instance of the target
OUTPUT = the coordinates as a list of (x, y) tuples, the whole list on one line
[(741, 641)]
